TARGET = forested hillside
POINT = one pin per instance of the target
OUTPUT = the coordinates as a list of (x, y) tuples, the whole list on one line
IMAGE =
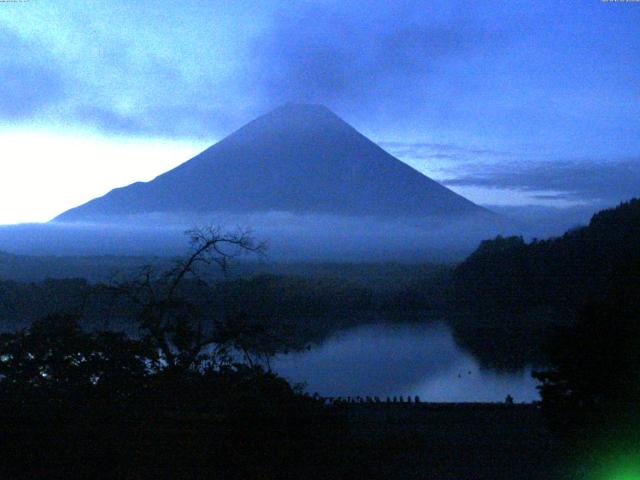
[(508, 292)]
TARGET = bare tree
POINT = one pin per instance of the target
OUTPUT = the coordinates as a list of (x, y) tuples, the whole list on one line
[(171, 321)]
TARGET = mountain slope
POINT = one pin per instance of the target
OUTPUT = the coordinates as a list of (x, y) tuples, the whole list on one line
[(510, 274), (298, 158)]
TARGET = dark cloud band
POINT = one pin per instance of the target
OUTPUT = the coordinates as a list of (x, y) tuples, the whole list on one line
[(571, 180)]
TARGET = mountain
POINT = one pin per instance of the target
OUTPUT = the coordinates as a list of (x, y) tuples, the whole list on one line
[(298, 158)]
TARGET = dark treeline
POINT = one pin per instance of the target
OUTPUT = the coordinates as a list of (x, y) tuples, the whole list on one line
[(590, 386), (104, 268), (508, 295), (308, 306), (572, 305), (34, 268)]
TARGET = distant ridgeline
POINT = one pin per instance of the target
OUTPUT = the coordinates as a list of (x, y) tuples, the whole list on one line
[(508, 293)]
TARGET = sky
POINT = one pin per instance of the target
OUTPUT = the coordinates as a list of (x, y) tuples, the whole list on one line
[(510, 103)]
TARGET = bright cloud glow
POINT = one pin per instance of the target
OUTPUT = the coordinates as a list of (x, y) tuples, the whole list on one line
[(43, 174)]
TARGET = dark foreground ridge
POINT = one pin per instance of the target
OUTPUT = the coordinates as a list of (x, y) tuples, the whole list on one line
[(349, 442), (297, 158)]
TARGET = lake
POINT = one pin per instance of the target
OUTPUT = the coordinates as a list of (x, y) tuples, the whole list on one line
[(384, 359)]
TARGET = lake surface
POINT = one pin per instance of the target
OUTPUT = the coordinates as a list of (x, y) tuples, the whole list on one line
[(401, 359)]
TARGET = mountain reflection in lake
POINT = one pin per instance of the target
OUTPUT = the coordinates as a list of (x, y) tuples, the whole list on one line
[(401, 359)]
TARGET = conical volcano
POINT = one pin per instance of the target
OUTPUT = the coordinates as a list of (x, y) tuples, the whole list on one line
[(297, 158)]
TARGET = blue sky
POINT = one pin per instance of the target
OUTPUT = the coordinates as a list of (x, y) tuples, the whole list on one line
[(507, 102)]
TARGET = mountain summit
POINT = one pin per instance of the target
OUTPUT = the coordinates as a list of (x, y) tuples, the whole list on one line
[(297, 158)]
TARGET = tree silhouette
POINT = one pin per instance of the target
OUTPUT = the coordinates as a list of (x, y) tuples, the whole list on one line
[(167, 317)]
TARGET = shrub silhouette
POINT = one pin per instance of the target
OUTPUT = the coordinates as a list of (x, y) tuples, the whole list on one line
[(56, 359)]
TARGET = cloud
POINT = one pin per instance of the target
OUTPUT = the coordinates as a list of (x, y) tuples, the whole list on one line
[(158, 120), (145, 79), (443, 71), (29, 81), (357, 56), (456, 153), (593, 181)]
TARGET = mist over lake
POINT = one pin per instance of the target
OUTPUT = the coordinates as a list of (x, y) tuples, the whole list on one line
[(408, 359)]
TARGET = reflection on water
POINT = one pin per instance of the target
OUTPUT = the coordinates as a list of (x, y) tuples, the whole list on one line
[(401, 359)]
